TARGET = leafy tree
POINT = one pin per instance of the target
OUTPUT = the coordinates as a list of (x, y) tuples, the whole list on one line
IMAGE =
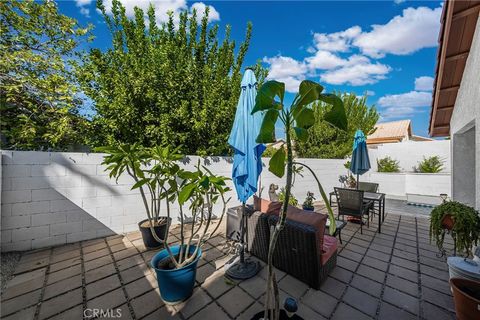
[(388, 164), (325, 141), (165, 84), (38, 94)]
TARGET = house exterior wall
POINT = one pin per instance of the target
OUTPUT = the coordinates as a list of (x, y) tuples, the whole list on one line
[(465, 130)]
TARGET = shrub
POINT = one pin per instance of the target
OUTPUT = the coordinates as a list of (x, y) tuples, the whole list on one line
[(432, 164), (388, 164)]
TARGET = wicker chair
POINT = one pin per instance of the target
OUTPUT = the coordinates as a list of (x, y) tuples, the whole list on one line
[(351, 203), (302, 250), (368, 186)]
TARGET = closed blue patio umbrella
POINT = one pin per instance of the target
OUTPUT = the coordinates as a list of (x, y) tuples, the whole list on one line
[(247, 162), (360, 161)]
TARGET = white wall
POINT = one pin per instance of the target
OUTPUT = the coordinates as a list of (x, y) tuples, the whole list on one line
[(466, 117), (409, 153), (55, 198)]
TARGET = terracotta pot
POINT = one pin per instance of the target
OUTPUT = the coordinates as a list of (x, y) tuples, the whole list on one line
[(447, 222), (466, 294)]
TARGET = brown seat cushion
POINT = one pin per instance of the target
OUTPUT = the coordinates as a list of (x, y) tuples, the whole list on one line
[(266, 206)]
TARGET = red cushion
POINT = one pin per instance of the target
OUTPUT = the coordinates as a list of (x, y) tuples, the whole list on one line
[(266, 206), (330, 246)]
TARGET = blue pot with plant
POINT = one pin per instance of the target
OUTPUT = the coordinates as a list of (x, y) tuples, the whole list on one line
[(176, 284), (176, 266)]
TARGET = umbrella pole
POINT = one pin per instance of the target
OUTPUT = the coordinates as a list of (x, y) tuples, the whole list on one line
[(242, 236), (243, 268)]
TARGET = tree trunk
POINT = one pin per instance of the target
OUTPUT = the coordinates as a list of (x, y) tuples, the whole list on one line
[(271, 281)]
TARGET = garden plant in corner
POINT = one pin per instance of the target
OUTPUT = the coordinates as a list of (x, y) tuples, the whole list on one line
[(161, 180), (296, 120)]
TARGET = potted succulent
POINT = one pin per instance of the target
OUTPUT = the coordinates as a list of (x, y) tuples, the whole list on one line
[(308, 203), (199, 191), (296, 119), (463, 221), (153, 171)]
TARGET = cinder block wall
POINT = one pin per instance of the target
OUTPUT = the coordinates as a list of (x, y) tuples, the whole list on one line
[(51, 198)]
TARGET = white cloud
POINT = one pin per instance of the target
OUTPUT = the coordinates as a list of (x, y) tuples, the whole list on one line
[(412, 99), (82, 4), (337, 41), (85, 12), (286, 70), (424, 83), (399, 1), (358, 71), (398, 113), (370, 93), (404, 34), (281, 67), (162, 8), (200, 7), (351, 56), (324, 60)]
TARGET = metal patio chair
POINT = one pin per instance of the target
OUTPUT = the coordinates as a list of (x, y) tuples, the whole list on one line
[(351, 203)]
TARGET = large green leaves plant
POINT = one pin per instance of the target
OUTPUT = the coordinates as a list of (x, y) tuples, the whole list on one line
[(296, 119)]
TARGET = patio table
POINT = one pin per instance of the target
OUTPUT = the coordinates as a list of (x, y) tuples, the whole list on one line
[(376, 197)]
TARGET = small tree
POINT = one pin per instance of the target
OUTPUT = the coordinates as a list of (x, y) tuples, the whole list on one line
[(296, 120), (388, 164), (325, 141), (432, 164), (39, 102)]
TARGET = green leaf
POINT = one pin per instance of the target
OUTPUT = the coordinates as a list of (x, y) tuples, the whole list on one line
[(302, 134), (267, 130), (265, 99), (336, 116), (305, 118), (139, 183), (186, 193), (308, 92), (277, 163)]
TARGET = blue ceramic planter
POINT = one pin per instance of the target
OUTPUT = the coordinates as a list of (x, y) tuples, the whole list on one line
[(176, 285)]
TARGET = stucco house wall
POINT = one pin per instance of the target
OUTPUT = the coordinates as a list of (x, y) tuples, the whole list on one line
[(465, 130)]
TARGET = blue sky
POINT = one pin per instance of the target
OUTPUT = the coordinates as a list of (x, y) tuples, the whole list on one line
[(384, 48)]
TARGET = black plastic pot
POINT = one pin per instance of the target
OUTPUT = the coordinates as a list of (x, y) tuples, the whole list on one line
[(283, 316), (308, 208), (148, 240)]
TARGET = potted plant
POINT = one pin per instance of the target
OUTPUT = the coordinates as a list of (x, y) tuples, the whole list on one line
[(153, 171), (463, 221), (200, 191), (291, 200), (296, 119), (308, 203)]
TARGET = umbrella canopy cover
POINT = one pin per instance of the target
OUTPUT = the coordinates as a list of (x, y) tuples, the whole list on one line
[(360, 161), (247, 159)]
